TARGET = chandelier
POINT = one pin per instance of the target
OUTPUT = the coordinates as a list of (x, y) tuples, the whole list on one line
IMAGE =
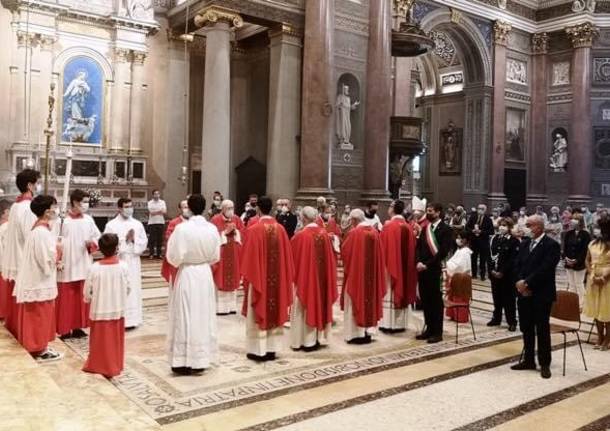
[(409, 40)]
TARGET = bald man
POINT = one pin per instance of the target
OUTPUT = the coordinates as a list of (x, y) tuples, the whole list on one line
[(536, 263)]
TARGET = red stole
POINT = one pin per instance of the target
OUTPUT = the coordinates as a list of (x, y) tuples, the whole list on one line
[(226, 271), (168, 272), (364, 279), (268, 266), (398, 240), (315, 275)]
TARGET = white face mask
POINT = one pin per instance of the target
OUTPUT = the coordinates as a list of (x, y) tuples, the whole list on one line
[(53, 213), (38, 189), (229, 213), (527, 232), (503, 230), (459, 242), (84, 207), (574, 223), (284, 209), (597, 233), (127, 212), (186, 213)]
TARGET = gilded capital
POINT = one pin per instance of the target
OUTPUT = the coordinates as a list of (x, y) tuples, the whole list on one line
[(403, 7), (456, 16), (139, 57), (285, 29), (121, 55), (214, 14), (540, 43), (582, 35), (501, 31)]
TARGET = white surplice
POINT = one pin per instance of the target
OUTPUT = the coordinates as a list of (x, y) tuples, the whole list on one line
[(21, 219), (193, 337), (75, 232), (129, 252), (107, 289), (460, 262)]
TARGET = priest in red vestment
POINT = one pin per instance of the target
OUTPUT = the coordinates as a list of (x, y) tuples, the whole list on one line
[(364, 284), (326, 220), (168, 272), (316, 284), (227, 271), (399, 241), (268, 271)]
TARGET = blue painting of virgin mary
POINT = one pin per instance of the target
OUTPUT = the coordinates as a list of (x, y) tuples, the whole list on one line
[(82, 101)]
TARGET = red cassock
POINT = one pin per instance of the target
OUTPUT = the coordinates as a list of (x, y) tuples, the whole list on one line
[(398, 240), (106, 347), (330, 226), (11, 319), (71, 311), (5, 297), (36, 325), (168, 272), (315, 275), (267, 265), (227, 271), (364, 279)]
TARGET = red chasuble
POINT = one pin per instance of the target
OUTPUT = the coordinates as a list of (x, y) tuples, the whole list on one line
[(316, 275), (268, 266), (168, 272), (330, 226), (364, 279), (398, 240), (226, 271)]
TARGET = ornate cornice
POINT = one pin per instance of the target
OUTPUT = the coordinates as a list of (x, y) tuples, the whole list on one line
[(501, 31), (285, 29), (582, 35), (215, 14), (540, 43)]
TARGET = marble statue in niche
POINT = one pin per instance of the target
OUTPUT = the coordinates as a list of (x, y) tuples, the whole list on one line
[(345, 107), (82, 101), (139, 9), (583, 5), (559, 157), (561, 73), (516, 71)]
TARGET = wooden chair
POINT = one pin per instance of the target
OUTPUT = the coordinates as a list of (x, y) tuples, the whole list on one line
[(567, 308), (461, 287)]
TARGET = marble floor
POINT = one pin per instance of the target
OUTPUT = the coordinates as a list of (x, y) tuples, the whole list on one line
[(395, 383)]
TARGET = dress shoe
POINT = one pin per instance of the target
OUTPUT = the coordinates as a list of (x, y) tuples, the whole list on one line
[(422, 336), (65, 336), (523, 366), (360, 340), (493, 323), (78, 333), (181, 371), (312, 348), (197, 371), (392, 330), (545, 372), (256, 358), (512, 328), (435, 339), (270, 356)]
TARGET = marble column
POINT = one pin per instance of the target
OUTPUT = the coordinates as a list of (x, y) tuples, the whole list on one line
[(538, 159), (496, 179), (17, 83), (378, 101), (119, 110), (137, 103), (284, 112), (317, 119), (580, 144), (216, 135)]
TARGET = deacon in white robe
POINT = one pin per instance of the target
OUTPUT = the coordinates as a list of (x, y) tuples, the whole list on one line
[(193, 338), (132, 243)]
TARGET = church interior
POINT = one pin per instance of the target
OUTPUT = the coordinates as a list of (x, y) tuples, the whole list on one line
[(456, 101)]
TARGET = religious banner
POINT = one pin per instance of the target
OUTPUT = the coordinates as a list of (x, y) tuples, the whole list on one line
[(82, 102), (450, 150)]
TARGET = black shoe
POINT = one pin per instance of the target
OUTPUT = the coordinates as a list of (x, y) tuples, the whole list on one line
[(545, 372), (435, 339), (270, 356), (78, 333), (312, 348), (232, 312), (523, 366), (256, 358), (360, 340), (181, 371), (130, 328), (493, 322), (422, 336), (197, 371), (222, 314), (392, 331), (512, 328), (65, 336), (483, 278)]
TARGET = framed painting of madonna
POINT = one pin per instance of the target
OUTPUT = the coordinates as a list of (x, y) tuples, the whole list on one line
[(82, 102)]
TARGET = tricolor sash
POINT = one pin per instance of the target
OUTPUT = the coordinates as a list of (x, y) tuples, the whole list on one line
[(431, 240)]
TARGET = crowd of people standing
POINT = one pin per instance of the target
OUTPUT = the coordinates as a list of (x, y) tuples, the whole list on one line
[(286, 261)]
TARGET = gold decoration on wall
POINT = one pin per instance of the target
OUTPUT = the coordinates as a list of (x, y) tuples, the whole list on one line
[(456, 16), (540, 43), (582, 35), (501, 31), (214, 14), (402, 7)]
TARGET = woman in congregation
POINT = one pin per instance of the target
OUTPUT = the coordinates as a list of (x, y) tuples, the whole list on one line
[(458, 277), (575, 245), (597, 298), (554, 226)]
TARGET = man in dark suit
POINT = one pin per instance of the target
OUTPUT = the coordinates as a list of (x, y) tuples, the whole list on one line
[(536, 264), (433, 245), (480, 228), (285, 217)]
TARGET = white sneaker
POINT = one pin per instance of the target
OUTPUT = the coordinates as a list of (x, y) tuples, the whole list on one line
[(49, 355)]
